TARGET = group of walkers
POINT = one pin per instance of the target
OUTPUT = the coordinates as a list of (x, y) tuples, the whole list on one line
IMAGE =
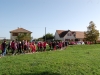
[(15, 47)]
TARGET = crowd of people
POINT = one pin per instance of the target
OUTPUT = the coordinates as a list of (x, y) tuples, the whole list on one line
[(21, 47)]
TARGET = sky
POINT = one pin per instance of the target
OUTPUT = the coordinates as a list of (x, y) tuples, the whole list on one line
[(35, 15)]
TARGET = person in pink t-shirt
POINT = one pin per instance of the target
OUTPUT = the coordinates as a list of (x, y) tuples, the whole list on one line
[(38, 45), (44, 45), (13, 47), (41, 46), (60, 45)]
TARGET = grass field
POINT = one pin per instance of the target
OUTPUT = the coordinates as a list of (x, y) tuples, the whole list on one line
[(75, 60)]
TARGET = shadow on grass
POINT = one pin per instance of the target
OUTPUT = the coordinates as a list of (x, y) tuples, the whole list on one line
[(40, 73)]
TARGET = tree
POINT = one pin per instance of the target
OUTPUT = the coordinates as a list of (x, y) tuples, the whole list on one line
[(24, 36), (49, 36), (92, 34)]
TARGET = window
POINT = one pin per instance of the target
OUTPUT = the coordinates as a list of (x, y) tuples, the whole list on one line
[(15, 34)]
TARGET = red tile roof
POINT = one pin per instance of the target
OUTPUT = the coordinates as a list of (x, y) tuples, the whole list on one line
[(79, 34), (18, 30)]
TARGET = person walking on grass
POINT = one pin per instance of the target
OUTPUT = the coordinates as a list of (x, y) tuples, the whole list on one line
[(54, 45), (60, 45), (38, 45), (22, 43), (44, 45), (3, 47), (28, 47), (32, 47), (41, 46), (19, 47), (13, 47), (50, 45), (9, 47), (25, 46)]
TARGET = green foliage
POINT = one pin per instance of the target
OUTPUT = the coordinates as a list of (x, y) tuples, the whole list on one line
[(49, 36), (24, 36), (40, 39), (75, 60), (92, 34)]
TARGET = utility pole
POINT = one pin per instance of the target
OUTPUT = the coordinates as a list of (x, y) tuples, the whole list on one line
[(45, 33)]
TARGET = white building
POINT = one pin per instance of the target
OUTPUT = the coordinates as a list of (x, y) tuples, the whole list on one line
[(69, 35)]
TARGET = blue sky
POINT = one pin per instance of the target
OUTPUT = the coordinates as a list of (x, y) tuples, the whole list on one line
[(35, 15)]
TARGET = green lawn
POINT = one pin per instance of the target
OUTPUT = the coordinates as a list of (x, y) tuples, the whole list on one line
[(75, 60)]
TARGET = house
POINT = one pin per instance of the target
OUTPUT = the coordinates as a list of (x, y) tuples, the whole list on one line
[(69, 35), (99, 39), (18, 31)]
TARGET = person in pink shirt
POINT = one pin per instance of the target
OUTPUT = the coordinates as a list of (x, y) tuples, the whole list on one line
[(31, 47), (44, 45), (13, 47), (60, 45), (34, 48), (41, 46), (38, 45)]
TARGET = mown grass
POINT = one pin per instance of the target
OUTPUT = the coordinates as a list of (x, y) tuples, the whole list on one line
[(75, 60)]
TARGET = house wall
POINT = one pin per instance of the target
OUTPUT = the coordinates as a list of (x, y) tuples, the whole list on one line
[(71, 37), (12, 37), (57, 37)]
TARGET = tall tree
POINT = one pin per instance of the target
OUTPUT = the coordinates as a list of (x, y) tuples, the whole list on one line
[(92, 34), (24, 36)]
